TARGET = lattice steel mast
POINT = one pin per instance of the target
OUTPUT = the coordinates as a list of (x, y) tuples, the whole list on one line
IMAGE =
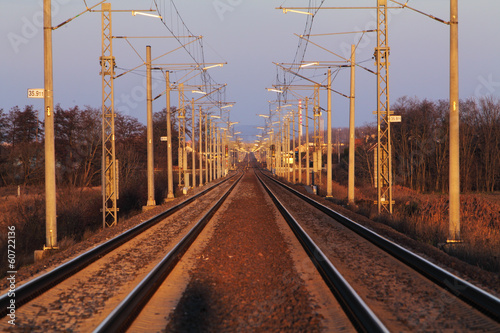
[(317, 155), (383, 177), (182, 136), (108, 171)]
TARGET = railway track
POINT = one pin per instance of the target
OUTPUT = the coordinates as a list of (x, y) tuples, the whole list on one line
[(124, 314), (467, 297), (243, 277), (360, 314), (39, 285), (120, 319)]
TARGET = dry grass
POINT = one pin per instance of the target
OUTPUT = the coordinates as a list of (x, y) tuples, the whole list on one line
[(78, 215), (25, 213), (424, 217)]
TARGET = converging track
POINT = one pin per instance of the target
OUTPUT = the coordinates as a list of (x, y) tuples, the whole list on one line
[(255, 255), (130, 307), (405, 290), (79, 288), (242, 278)]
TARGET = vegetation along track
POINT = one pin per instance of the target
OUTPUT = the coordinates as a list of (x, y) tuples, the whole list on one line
[(401, 297), (45, 282)]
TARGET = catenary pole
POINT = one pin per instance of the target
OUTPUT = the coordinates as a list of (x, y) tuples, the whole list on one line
[(329, 138), (150, 148), (50, 159), (170, 175), (193, 155), (352, 138), (454, 210), (308, 171), (206, 150), (200, 146)]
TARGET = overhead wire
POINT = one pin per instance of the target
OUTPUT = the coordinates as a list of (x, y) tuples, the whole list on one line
[(288, 78), (196, 53)]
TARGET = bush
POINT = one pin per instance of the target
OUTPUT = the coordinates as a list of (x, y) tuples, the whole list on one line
[(425, 218), (27, 214), (78, 212)]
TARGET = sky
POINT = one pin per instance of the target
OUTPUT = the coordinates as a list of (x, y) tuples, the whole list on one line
[(249, 36)]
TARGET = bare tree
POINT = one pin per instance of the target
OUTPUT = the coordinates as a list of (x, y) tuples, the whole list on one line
[(25, 158), (489, 140)]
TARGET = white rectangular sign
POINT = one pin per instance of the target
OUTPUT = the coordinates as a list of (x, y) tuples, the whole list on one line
[(36, 93), (163, 138), (395, 119)]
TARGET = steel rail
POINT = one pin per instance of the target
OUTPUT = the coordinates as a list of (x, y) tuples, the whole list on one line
[(356, 309), (480, 299), (39, 285), (126, 312)]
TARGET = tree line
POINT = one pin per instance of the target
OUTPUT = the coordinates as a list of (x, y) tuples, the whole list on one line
[(78, 145), (420, 145)]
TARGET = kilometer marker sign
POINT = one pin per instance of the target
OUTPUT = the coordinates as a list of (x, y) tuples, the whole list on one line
[(36, 93)]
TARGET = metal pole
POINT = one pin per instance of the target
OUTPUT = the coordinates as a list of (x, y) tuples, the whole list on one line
[(150, 147), (108, 169), (193, 157), (181, 114), (352, 139), (200, 155), (293, 148), (454, 210), (216, 154), (308, 171), (288, 148), (170, 175), (273, 156), (223, 154), (318, 149), (329, 135), (227, 158), (214, 151), (384, 154), (206, 149), (219, 155), (210, 150), (277, 151), (299, 116), (283, 149), (50, 157)]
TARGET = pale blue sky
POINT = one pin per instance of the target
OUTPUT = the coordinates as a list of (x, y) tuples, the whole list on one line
[(249, 35)]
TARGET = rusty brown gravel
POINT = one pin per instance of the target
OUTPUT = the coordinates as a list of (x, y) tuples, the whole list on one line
[(484, 279), (76, 303), (248, 282), (403, 299), (28, 272)]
